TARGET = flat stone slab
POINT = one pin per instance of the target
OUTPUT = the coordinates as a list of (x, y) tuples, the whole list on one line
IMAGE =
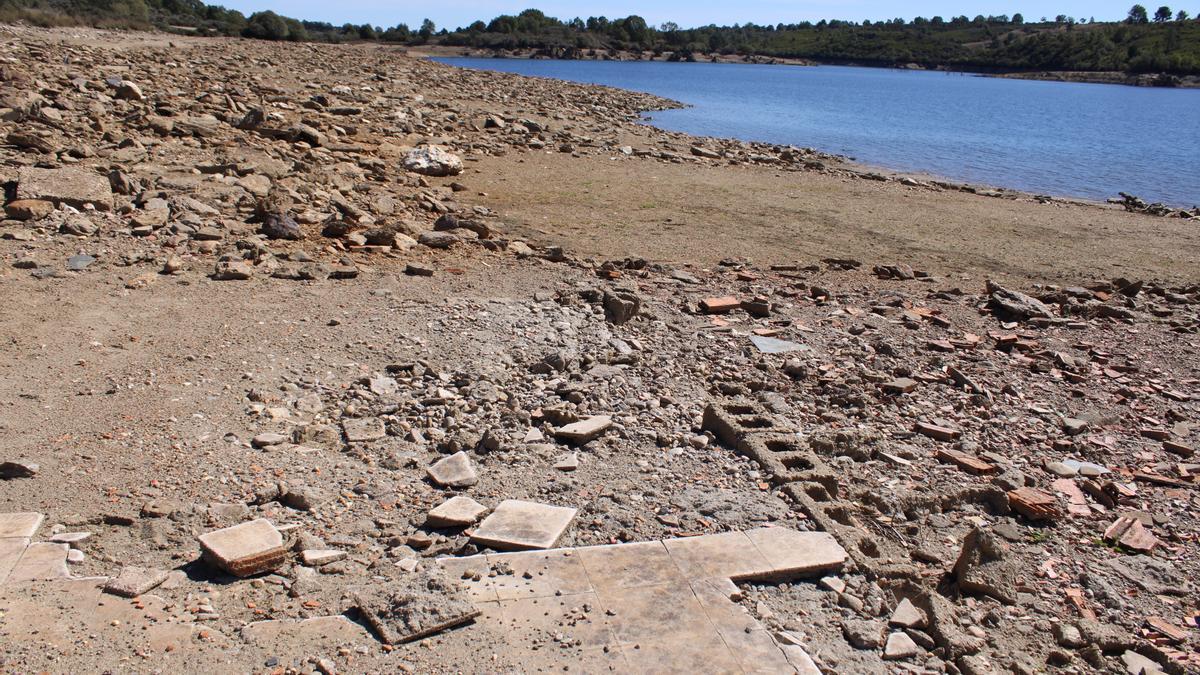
[(363, 430), (11, 550), (454, 471), (134, 581), (72, 186), (457, 511), (41, 561), (20, 524), (244, 550), (584, 431), (518, 526), (659, 606)]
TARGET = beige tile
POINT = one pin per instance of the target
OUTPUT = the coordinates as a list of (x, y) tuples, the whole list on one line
[(521, 526), (656, 612), (672, 657), (463, 571), (41, 561), (756, 651), (20, 524), (539, 574), (725, 614), (576, 621), (629, 565), (794, 554), (11, 549), (730, 554)]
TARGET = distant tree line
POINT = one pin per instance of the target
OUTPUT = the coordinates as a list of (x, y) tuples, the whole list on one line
[(1162, 42)]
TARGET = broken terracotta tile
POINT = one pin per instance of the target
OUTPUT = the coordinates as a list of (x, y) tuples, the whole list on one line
[(454, 471)]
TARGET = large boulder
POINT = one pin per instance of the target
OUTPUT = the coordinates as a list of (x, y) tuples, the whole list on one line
[(430, 160)]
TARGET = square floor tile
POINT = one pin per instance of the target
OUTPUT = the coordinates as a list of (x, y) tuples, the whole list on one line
[(539, 574), (520, 526), (629, 565), (730, 554), (20, 524), (793, 554)]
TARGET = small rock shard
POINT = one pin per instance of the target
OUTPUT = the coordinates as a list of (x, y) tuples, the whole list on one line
[(454, 471), (907, 615), (719, 305), (770, 345), (520, 526), (244, 550)]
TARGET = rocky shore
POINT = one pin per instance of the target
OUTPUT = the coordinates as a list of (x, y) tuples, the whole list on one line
[(317, 359)]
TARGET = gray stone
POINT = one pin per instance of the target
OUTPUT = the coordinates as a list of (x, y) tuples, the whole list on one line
[(363, 429), (899, 646), (584, 431), (430, 160), (984, 566), (863, 634)]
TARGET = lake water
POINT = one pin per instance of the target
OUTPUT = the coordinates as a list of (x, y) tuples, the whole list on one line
[(1063, 139)]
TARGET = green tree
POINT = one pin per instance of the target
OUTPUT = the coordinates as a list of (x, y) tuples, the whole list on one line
[(427, 29), (1018, 18), (1137, 14), (1182, 15), (266, 26), (1163, 14)]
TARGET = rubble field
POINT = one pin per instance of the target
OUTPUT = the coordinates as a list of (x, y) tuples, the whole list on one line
[(284, 390)]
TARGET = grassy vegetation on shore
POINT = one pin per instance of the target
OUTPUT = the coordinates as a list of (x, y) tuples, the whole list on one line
[(1169, 43)]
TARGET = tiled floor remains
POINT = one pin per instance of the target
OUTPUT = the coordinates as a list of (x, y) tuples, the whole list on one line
[(649, 607), (664, 606)]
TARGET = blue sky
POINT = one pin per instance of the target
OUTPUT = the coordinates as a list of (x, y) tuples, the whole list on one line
[(687, 13)]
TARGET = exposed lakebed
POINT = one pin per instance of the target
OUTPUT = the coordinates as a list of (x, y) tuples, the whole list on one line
[(1058, 138)]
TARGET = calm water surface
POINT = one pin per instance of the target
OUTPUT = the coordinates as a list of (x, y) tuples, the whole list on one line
[(1065, 139)]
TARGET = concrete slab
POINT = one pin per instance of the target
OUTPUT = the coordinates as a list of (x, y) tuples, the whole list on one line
[(20, 524), (729, 554), (41, 561), (11, 549), (649, 607), (792, 554), (519, 526)]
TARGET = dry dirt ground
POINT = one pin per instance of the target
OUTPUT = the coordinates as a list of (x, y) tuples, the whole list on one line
[(683, 213), (968, 447)]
